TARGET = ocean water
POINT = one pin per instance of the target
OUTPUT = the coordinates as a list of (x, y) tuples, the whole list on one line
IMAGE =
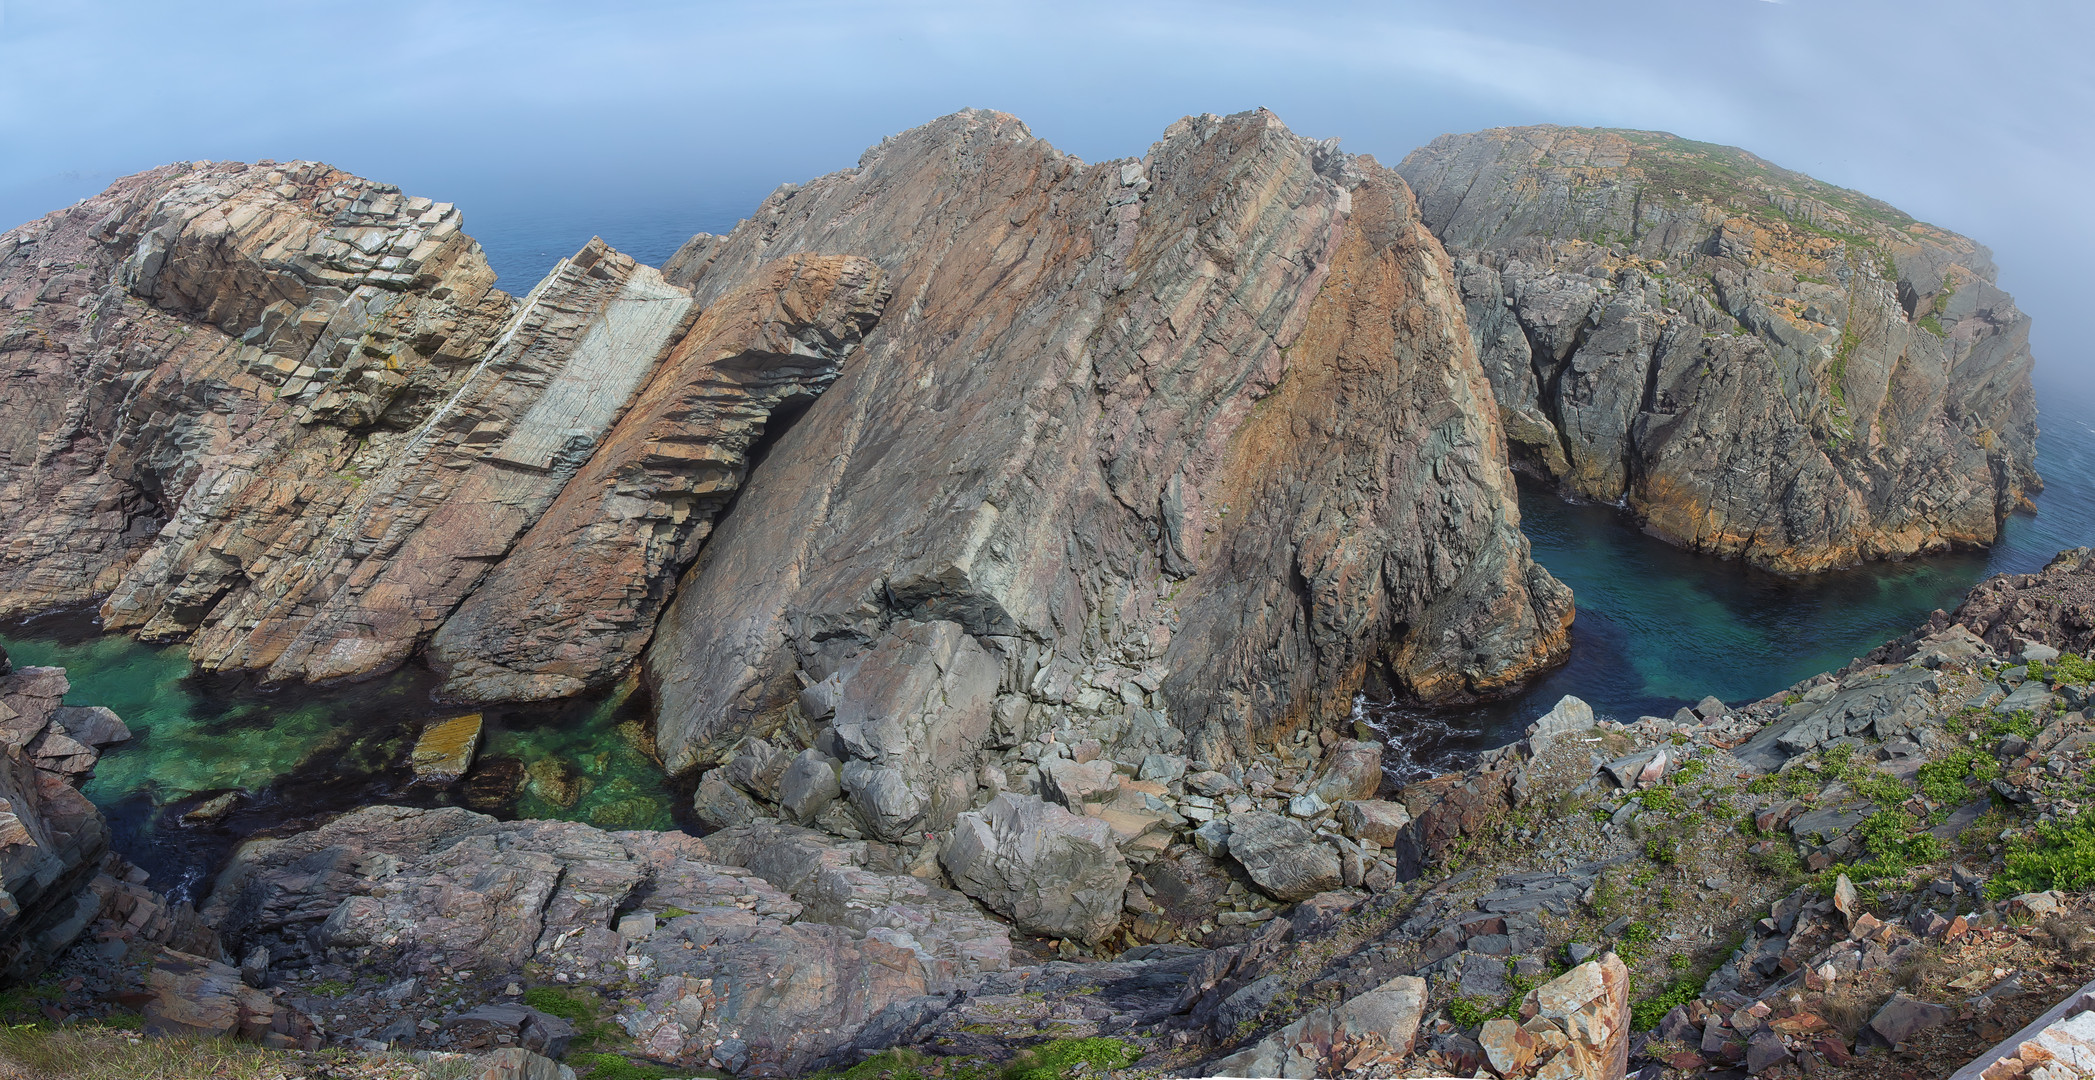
[(1658, 628), (300, 754)]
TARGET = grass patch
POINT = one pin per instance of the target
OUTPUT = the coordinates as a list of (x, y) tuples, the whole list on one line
[(2072, 669), (577, 1007), (1949, 780), (2060, 855), (614, 1067), (1056, 1059), (81, 1053)]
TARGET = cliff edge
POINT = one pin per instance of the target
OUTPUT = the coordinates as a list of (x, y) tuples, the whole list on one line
[(1757, 364)]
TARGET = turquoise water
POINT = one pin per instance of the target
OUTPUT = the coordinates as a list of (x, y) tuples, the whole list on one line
[(1659, 628), (298, 754)]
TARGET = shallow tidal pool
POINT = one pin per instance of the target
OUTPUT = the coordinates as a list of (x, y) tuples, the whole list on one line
[(297, 755)]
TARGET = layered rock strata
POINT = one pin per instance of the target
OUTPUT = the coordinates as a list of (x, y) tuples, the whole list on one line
[(279, 412), (1755, 363), (578, 597), (1146, 450), (52, 840)]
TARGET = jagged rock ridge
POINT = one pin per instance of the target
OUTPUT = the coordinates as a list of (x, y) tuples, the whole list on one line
[(279, 412), (1755, 363), (1178, 446)]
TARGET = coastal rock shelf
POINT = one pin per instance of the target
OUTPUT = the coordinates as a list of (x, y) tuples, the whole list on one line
[(1756, 363)]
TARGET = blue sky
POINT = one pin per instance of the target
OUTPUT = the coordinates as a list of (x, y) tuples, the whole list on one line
[(644, 121)]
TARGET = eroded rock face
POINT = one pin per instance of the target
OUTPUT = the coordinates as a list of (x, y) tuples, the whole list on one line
[(1757, 364), (1185, 445), (52, 840), (572, 605), (414, 891), (280, 413), (2054, 607)]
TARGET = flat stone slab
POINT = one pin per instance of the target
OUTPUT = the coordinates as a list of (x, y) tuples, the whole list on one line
[(445, 750)]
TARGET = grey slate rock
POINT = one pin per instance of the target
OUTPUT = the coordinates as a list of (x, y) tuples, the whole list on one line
[(1285, 860), (809, 785)]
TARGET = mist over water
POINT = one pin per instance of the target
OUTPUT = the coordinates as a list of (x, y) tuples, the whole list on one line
[(1659, 628)]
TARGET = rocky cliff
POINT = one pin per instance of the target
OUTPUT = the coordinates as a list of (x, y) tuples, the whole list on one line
[(1755, 363), (1142, 451), (1186, 446), (280, 413)]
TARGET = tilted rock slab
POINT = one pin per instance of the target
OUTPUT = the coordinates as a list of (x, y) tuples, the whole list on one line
[(1755, 363), (280, 412), (574, 603), (1184, 444)]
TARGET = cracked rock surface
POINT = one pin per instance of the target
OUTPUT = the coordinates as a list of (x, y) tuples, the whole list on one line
[(1755, 363)]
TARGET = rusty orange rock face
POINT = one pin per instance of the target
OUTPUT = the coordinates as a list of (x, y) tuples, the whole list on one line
[(1197, 441)]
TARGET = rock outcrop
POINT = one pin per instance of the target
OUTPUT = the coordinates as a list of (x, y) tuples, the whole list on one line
[(763, 948), (52, 840), (1184, 447), (279, 412), (577, 598), (1755, 363), (2054, 607)]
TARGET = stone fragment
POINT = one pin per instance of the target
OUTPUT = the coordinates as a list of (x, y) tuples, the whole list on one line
[(1372, 819), (1352, 770), (517, 1063), (810, 784), (1049, 871), (1764, 1051), (720, 804), (445, 749), (1845, 899), (214, 809), (1509, 1049), (1285, 860), (1903, 1016)]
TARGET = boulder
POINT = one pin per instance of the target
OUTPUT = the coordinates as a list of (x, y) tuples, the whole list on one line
[(1352, 770), (1588, 1007), (914, 716), (445, 749), (1373, 819), (720, 804), (1285, 860), (1048, 870), (196, 996), (809, 785), (1903, 1016), (415, 891), (1569, 716), (756, 768), (504, 1023)]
